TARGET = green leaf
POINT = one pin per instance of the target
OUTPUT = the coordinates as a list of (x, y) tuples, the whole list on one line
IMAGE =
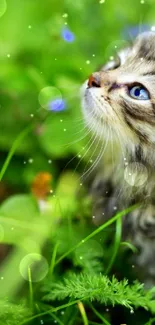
[(20, 207)]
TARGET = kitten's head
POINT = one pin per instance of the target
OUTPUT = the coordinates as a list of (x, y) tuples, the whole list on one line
[(121, 96)]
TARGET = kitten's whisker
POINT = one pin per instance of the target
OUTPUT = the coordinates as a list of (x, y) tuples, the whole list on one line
[(112, 148), (78, 140), (92, 142), (101, 153), (140, 24), (88, 114), (119, 139), (96, 137), (84, 136), (123, 184)]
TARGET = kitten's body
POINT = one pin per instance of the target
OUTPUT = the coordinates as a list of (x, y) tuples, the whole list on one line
[(130, 176)]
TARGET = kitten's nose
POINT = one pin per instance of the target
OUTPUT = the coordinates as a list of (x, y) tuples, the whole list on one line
[(94, 81)]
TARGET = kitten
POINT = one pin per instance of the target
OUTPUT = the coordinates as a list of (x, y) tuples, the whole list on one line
[(119, 103)]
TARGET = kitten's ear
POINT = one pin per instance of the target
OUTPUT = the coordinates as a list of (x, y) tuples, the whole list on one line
[(144, 46)]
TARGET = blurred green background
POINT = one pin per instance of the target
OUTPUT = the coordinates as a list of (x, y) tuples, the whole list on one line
[(34, 55), (47, 50)]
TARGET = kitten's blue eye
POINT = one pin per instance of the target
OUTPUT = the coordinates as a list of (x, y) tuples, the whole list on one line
[(139, 92)]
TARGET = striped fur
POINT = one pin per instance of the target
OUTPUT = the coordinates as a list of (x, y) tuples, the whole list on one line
[(132, 125)]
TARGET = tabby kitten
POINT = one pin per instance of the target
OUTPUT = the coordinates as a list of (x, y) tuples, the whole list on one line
[(119, 107)]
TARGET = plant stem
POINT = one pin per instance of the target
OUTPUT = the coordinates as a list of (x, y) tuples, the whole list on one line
[(83, 313), (116, 244), (98, 230), (30, 287), (15, 145), (53, 258)]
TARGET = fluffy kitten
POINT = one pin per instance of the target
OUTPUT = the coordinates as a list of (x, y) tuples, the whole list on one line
[(119, 102)]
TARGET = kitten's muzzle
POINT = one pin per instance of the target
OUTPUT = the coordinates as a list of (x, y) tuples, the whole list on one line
[(94, 81)]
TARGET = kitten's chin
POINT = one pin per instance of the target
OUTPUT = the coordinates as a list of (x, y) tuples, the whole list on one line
[(98, 113)]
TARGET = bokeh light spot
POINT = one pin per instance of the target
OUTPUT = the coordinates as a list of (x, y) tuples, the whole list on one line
[(135, 174), (50, 98), (37, 265)]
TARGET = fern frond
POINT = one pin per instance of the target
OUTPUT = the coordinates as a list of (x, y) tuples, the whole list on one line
[(102, 289), (12, 314)]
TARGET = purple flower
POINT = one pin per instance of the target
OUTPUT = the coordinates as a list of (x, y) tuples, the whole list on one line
[(67, 35), (57, 105)]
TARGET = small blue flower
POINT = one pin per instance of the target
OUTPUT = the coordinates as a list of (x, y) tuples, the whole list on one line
[(134, 30), (67, 35), (57, 105)]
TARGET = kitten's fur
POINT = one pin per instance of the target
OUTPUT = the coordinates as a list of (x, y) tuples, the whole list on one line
[(109, 108)]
